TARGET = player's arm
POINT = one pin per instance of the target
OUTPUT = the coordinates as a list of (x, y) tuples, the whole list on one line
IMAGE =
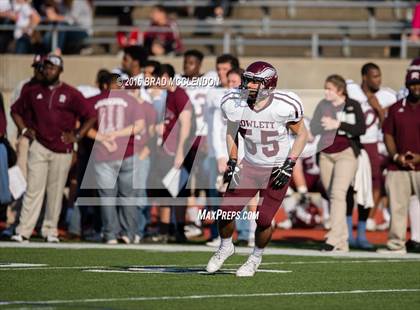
[(374, 103), (232, 140), (185, 122), (299, 129)]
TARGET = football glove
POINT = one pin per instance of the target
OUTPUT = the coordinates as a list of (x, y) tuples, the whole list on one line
[(231, 174), (281, 175)]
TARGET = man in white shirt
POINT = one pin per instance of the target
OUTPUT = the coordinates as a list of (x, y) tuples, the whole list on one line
[(374, 99)]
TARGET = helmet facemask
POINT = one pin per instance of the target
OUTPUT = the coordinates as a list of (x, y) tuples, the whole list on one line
[(252, 96)]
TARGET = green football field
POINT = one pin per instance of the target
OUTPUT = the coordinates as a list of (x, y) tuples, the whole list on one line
[(116, 278)]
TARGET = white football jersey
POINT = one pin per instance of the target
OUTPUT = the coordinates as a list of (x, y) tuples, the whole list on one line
[(386, 98), (197, 92), (266, 137)]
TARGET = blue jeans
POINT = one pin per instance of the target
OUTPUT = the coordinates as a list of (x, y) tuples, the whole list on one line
[(143, 211), (23, 45), (118, 196), (65, 38), (5, 196)]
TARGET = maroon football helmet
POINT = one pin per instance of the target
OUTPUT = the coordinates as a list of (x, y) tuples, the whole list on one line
[(262, 73)]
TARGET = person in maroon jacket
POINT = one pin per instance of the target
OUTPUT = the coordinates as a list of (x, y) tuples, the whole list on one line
[(54, 108), (402, 139)]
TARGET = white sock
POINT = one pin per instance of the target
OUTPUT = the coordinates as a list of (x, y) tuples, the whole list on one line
[(258, 252), (226, 242), (386, 214), (325, 209), (252, 228), (414, 212), (192, 215)]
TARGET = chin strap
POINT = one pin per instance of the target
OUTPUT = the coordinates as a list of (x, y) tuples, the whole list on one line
[(251, 101)]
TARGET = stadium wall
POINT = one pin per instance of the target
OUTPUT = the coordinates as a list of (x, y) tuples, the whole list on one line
[(306, 76)]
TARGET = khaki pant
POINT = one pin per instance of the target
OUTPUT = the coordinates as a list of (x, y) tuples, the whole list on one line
[(47, 172), (337, 173), (400, 185), (22, 151)]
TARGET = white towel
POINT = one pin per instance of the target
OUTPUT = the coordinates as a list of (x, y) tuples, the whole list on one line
[(363, 181)]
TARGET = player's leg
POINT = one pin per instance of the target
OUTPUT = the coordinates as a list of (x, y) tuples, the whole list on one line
[(375, 163), (239, 198), (233, 201), (361, 239), (349, 215), (270, 202)]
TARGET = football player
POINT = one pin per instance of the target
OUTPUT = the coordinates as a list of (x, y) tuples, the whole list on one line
[(374, 99), (197, 88), (263, 116)]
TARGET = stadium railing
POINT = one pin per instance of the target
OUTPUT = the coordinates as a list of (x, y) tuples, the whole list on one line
[(259, 3), (235, 33), (291, 5)]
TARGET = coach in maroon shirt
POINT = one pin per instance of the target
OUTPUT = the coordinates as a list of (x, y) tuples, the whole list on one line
[(402, 139), (54, 107)]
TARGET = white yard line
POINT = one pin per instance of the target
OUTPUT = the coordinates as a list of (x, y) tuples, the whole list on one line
[(194, 297), (23, 266), (163, 271), (201, 248)]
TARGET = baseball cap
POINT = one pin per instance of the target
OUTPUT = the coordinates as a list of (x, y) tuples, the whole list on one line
[(54, 60), (412, 77)]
